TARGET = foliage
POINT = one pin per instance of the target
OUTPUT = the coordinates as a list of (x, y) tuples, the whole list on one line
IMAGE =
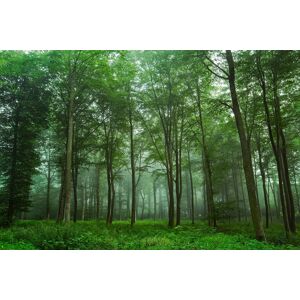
[(147, 235), (77, 128), (24, 99)]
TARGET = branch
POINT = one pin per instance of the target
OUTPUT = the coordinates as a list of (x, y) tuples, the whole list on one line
[(225, 104), (217, 75), (216, 65)]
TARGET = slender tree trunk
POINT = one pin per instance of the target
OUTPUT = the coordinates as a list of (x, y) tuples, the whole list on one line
[(170, 181), (206, 167), (97, 178), (61, 204), (236, 192), (255, 176), (75, 184), (268, 193), (263, 177), (113, 194), (244, 198), (178, 187), (204, 195), (149, 206), (109, 193), (276, 202), (143, 205), (244, 201), (109, 173), (188, 196), (160, 202), (84, 199), (178, 161), (192, 187), (68, 169), (246, 153), (128, 198), (11, 199), (278, 148), (133, 180), (287, 185), (154, 199), (48, 188), (75, 169), (120, 201), (178, 193)]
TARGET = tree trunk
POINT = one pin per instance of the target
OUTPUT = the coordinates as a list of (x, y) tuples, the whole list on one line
[(206, 167), (243, 196), (61, 204), (11, 199), (84, 200), (133, 180), (263, 177), (75, 184), (48, 189), (97, 178), (113, 193), (109, 192), (246, 153), (68, 169), (160, 203), (171, 196), (236, 191), (278, 148), (178, 160), (120, 201), (143, 205), (192, 187), (154, 199)]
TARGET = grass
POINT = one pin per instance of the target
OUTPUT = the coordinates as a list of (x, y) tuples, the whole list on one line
[(91, 235)]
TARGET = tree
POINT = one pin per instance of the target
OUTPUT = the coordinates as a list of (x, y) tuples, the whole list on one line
[(23, 114), (246, 151)]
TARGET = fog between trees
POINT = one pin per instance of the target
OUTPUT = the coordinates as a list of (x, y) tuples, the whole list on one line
[(162, 135)]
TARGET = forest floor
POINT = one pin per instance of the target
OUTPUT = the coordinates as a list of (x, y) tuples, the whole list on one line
[(90, 235)]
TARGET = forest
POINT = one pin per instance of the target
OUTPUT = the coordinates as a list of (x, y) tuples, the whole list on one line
[(111, 149)]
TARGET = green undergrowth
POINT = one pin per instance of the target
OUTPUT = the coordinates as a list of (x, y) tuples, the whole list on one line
[(275, 234), (92, 235)]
